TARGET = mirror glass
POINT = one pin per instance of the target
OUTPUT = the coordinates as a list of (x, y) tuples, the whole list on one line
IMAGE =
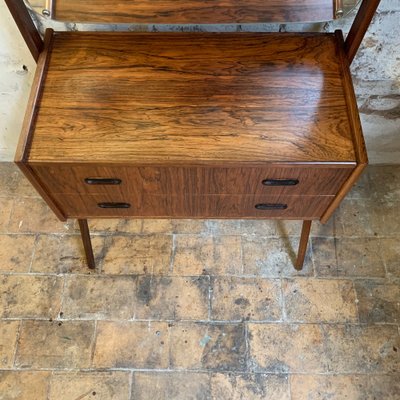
[(192, 11)]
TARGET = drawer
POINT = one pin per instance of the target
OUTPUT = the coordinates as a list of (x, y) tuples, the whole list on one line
[(194, 206), (126, 180)]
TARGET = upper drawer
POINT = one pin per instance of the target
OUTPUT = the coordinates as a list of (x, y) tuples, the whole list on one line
[(287, 180)]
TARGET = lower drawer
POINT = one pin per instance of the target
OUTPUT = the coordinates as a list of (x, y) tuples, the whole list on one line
[(195, 206)]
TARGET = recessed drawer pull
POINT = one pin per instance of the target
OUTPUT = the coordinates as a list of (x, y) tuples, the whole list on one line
[(114, 205), (280, 182), (103, 181), (267, 206)]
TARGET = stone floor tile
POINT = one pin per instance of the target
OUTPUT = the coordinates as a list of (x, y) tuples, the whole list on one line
[(55, 344), (293, 228), (390, 250), (6, 205), (385, 182), (153, 226), (362, 188), (23, 385), (319, 300), (64, 254), (262, 227), (24, 188), (13, 182), (249, 386), (208, 346), (359, 257), (283, 348), (9, 176), (89, 385), (8, 340), (205, 254), (353, 218), (171, 226), (132, 345), (33, 215), (236, 298), (378, 301), (114, 225), (99, 297), (381, 387), (172, 298), (282, 228), (137, 254), (27, 296), (362, 349), (190, 226), (385, 219), (16, 252), (332, 387), (319, 229), (225, 227), (170, 386), (324, 256), (273, 257)]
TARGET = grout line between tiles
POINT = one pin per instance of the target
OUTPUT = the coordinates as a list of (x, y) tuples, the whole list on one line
[(49, 383), (283, 302), (289, 378), (196, 370), (17, 343), (344, 323), (173, 251), (93, 343), (130, 386), (35, 244), (63, 291), (356, 301)]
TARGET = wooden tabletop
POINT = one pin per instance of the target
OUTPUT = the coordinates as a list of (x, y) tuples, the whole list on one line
[(193, 11), (193, 99)]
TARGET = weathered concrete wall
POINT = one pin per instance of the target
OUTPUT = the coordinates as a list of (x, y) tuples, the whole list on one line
[(376, 72)]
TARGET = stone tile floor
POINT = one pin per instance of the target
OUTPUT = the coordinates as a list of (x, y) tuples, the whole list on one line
[(201, 309)]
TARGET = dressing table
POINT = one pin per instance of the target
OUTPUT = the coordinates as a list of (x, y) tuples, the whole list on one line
[(192, 125)]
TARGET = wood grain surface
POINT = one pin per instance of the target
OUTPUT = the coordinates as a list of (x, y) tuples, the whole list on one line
[(193, 99), (193, 11), (193, 206), (70, 179)]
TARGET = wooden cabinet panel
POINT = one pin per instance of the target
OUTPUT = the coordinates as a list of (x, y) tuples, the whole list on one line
[(114, 180), (194, 206), (193, 11)]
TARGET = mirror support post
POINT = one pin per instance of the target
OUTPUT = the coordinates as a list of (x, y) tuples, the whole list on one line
[(359, 28), (26, 26)]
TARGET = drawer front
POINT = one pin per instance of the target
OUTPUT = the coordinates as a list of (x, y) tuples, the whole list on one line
[(205, 206), (124, 181)]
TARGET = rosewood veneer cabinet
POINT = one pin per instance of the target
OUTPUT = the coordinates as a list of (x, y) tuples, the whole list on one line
[(192, 125)]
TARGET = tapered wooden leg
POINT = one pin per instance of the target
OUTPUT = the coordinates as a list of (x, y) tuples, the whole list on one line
[(305, 233), (87, 244)]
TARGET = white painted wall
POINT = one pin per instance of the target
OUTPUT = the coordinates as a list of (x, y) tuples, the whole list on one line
[(376, 73), (15, 82)]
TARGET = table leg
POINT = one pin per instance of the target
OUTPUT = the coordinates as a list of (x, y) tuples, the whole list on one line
[(87, 244), (305, 233)]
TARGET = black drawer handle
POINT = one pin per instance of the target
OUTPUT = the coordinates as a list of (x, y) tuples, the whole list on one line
[(114, 205), (267, 206), (280, 182), (103, 181)]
